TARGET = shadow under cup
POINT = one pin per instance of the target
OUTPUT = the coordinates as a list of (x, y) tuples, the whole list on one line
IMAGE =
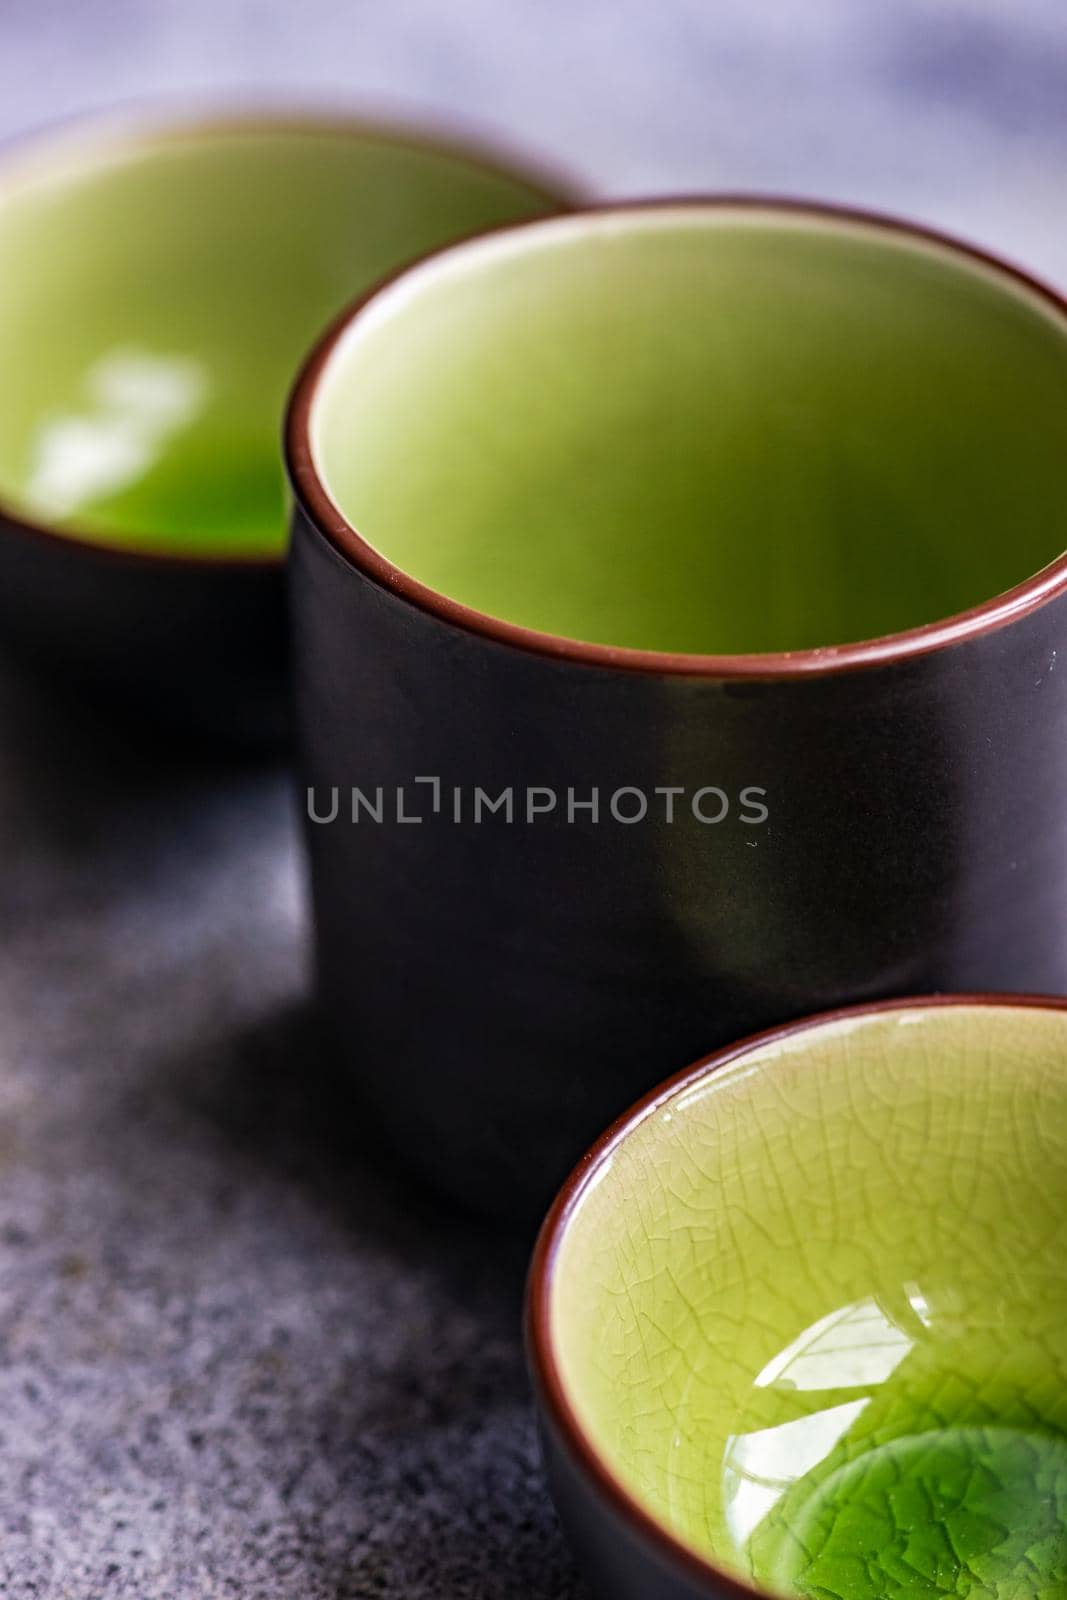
[(603, 504)]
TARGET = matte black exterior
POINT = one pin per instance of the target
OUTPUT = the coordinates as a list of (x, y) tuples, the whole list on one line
[(502, 991), (197, 645)]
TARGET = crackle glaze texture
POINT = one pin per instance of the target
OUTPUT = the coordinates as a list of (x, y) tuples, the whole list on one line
[(813, 1312)]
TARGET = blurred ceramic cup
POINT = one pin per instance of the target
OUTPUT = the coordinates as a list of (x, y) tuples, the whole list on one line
[(158, 284), (679, 611)]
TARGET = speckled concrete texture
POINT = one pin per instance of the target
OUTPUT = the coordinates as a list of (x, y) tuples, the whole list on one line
[(238, 1358), (235, 1358)]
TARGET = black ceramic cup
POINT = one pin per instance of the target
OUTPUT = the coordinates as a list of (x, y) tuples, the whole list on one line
[(679, 609), (159, 281)]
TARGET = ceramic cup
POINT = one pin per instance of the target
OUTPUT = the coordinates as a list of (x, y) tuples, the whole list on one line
[(158, 285), (719, 547), (798, 1323)]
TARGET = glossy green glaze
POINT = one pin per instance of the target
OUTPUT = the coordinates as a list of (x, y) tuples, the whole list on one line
[(706, 429), (157, 291), (812, 1312)]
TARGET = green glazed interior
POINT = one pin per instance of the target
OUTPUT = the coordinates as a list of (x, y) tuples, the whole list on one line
[(157, 292), (708, 429), (813, 1310)]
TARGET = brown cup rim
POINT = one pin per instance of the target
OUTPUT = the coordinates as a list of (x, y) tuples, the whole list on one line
[(144, 124), (540, 1349), (820, 660)]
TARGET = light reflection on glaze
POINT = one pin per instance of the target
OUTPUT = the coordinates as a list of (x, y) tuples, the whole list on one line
[(817, 1321), (136, 402), (855, 1347), (895, 1454)]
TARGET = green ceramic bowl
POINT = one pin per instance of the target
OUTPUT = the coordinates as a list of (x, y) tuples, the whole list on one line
[(799, 1322), (158, 286)]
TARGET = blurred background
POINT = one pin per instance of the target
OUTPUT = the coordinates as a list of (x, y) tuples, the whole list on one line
[(953, 111)]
